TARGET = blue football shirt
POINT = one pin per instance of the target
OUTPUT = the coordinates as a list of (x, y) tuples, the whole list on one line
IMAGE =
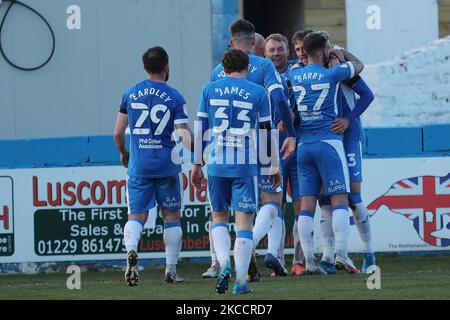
[(233, 108), (260, 71), (153, 109), (315, 90), (347, 102)]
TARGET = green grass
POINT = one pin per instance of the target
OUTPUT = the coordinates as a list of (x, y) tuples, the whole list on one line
[(425, 277)]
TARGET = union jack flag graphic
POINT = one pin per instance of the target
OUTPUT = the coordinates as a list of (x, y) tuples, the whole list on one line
[(426, 202)]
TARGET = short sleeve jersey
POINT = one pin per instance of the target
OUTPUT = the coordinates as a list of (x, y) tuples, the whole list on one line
[(233, 108), (315, 90), (153, 110)]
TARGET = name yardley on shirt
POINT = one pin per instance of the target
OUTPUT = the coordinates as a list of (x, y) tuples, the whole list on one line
[(150, 92), (309, 76), (233, 90)]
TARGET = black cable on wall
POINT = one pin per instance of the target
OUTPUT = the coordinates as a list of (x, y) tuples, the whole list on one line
[(12, 3)]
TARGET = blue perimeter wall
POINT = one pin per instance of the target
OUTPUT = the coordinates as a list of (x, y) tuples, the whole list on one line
[(428, 141), (224, 12)]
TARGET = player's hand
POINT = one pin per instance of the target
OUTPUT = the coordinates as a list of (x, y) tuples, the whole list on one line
[(289, 147), (124, 158), (304, 59), (275, 177), (336, 57), (280, 127), (340, 125), (338, 52), (196, 176), (333, 61)]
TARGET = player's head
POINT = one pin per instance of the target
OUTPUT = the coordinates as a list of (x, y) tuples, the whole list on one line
[(317, 47), (242, 35), (235, 60), (156, 61), (277, 50), (297, 41), (260, 45)]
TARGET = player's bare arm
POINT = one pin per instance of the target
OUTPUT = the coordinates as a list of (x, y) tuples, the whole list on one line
[(184, 132), (119, 138), (359, 66)]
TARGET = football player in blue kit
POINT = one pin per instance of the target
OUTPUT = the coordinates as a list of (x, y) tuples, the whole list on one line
[(262, 72), (320, 153), (297, 42), (349, 124), (259, 49), (153, 110), (231, 109), (277, 50)]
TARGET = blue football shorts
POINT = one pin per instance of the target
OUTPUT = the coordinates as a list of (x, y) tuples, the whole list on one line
[(232, 193), (290, 175), (353, 151), (145, 193), (322, 163)]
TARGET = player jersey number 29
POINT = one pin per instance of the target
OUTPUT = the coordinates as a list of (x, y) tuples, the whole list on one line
[(154, 117), (325, 87)]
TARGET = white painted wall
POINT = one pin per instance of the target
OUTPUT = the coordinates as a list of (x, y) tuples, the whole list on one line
[(97, 58), (378, 30), (413, 89)]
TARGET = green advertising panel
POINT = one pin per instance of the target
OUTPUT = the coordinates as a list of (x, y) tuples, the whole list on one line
[(100, 231)]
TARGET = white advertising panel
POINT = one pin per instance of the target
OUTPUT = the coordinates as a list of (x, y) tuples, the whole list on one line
[(78, 213)]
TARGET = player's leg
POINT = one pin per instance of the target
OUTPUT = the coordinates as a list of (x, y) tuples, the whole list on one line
[(244, 205), (360, 214), (169, 195), (172, 241), (327, 235), (309, 186), (272, 220), (141, 198), (336, 184), (214, 269), (361, 219), (264, 220), (341, 230), (270, 209), (285, 169), (298, 259), (306, 232), (219, 192), (280, 251), (275, 241)]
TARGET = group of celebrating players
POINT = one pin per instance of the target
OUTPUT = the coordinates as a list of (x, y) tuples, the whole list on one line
[(256, 101)]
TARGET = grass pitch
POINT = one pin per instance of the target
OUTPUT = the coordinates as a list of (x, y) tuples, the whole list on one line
[(423, 277)]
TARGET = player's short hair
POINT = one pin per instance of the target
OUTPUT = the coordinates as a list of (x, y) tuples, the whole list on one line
[(242, 29), (325, 34), (155, 59), (300, 35), (235, 60), (313, 42), (279, 38)]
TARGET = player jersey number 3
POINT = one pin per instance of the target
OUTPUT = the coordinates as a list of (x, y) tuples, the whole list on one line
[(154, 117), (222, 105), (324, 87)]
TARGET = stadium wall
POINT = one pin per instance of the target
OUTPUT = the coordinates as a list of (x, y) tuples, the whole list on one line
[(95, 61), (63, 200), (422, 76)]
